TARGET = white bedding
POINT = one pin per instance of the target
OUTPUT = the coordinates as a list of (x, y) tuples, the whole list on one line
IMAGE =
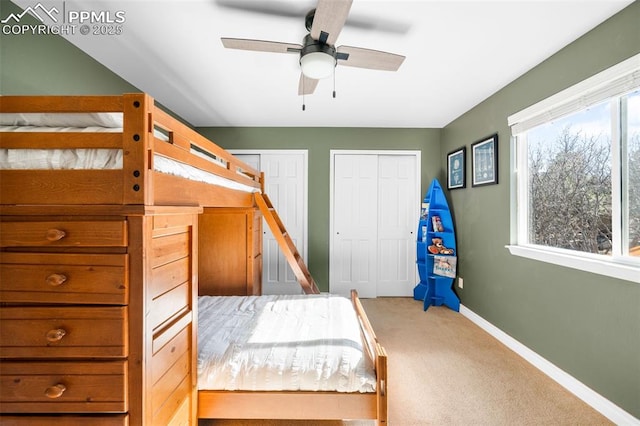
[(281, 342)]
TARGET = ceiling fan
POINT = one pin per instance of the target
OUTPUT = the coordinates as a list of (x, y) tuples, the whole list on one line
[(318, 54)]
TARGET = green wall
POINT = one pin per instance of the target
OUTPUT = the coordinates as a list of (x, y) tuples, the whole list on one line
[(319, 141), (50, 65), (588, 325)]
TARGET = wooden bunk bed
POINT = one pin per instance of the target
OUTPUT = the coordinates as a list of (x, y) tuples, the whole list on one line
[(101, 269)]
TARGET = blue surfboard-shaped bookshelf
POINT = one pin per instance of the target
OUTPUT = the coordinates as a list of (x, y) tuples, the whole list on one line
[(436, 251)]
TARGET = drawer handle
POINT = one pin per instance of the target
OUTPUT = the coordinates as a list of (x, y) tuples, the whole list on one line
[(55, 391), (55, 280), (55, 234), (56, 335)]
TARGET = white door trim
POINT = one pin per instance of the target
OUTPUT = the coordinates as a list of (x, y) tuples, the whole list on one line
[(332, 153)]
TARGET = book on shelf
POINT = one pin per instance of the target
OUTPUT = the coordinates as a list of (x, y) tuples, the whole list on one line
[(424, 211), (436, 223), (445, 266)]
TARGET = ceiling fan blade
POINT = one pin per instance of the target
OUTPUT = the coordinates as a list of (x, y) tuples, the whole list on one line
[(272, 7), (377, 23), (368, 58), (307, 85), (260, 45), (329, 19), (287, 9)]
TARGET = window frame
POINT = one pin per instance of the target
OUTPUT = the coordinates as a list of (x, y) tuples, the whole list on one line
[(608, 84)]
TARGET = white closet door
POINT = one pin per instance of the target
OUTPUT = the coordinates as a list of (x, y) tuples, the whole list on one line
[(355, 216), (374, 212), (285, 179), (286, 186), (397, 218)]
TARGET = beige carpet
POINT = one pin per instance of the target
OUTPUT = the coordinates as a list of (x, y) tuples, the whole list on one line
[(444, 370)]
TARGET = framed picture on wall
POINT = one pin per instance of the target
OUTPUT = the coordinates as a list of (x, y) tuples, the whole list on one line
[(484, 161), (456, 170)]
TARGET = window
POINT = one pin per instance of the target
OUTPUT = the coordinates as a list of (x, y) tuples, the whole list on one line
[(576, 169)]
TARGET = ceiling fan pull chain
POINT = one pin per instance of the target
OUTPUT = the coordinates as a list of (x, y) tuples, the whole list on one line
[(303, 106), (334, 83)]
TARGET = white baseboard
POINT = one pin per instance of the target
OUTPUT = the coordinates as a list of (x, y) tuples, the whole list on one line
[(607, 408)]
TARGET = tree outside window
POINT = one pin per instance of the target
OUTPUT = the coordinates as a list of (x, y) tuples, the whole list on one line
[(571, 186)]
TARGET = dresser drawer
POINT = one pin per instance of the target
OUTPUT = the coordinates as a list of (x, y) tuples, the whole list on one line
[(64, 234), (72, 332), (63, 387), (64, 278)]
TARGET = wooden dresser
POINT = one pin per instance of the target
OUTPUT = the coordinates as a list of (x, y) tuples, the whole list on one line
[(97, 318), (230, 247)]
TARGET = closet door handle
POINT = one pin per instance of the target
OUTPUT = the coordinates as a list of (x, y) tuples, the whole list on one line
[(56, 335), (55, 234), (55, 280), (55, 391)]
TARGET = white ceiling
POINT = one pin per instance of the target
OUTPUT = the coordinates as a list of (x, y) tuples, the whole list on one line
[(457, 54)]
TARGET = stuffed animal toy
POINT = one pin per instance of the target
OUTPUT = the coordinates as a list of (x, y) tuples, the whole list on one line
[(438, 247)]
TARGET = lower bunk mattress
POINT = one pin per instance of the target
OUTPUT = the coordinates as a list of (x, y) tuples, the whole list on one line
[(281, 343)]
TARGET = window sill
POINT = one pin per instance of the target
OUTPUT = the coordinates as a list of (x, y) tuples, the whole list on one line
[(597, 266)]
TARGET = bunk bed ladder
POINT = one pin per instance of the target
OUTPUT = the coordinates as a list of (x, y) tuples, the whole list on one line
[(286, 244)]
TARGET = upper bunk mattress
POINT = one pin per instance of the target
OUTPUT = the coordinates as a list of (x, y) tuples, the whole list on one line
[(281, 343), (92, 159)]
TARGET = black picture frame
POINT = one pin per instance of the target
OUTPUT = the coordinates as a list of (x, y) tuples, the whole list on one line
[(484, 161), (456, 168)]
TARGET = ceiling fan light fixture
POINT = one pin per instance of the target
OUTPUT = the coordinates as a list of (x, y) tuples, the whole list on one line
[(317, 65)]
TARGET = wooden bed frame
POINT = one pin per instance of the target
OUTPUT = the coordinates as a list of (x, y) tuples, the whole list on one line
[(307, 405), (134, 221)]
